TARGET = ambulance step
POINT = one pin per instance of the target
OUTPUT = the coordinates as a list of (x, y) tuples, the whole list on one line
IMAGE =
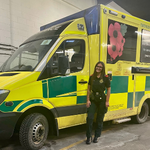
[(117, 121)]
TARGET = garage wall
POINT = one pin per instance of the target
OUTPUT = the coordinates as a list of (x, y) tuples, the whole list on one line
[(19, 19)]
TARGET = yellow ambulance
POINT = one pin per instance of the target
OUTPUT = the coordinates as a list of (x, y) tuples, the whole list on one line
[(43, 85)]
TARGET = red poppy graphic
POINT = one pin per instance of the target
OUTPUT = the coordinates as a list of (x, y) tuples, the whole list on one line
[(114, 32), (113, 50), (121, 46), (122, 43), (116, 41)]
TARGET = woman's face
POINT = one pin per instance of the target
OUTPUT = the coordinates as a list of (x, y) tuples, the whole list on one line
[(99, 68)]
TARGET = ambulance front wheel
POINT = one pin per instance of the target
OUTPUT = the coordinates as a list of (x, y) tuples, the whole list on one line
[(142, 117), (33, 131)]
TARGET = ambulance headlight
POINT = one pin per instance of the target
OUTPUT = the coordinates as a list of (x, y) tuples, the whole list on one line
[(3, 95)]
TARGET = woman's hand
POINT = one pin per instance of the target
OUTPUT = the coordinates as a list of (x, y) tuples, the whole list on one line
[(107, 104), (88, 103)]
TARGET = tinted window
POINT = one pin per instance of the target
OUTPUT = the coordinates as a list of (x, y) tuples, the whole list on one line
[(145, 47), (75, 51), (122, 40)]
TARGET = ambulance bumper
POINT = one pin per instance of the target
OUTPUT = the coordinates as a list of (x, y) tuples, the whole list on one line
[(7, 124)]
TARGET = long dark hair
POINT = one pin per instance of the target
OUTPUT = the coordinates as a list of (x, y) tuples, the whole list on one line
[(102, 72)]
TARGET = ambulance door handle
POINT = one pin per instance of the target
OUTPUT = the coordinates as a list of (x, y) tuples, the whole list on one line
[(82, 82), (132, 77)]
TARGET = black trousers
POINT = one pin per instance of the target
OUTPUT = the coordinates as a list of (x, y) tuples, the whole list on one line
[(99, 108)]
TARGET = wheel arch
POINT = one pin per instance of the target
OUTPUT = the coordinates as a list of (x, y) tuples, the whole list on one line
[(148, 102), (146, 99), (51, 116)]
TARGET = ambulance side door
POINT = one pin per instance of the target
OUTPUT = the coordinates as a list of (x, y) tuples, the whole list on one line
[(68, 92)]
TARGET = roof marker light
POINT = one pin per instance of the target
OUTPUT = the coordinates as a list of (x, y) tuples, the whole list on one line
[(113, 12), (105, 11)]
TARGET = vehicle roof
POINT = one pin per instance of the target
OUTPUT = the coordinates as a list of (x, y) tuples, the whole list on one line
[(91, 16)]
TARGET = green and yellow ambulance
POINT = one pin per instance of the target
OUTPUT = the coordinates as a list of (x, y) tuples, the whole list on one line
[(43, 85)]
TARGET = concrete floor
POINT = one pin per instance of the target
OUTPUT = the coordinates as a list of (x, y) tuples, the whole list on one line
[(117, 137)]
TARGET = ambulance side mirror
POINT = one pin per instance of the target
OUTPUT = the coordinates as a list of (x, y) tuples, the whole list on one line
[(63, 65)]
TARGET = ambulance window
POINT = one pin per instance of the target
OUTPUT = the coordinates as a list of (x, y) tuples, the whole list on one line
[(74, 49), (145, 47), (122, 40)]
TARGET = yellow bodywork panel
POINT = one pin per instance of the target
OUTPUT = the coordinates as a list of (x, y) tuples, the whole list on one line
[(140, 83), (63, 101), (13, 82), (94, 51), (118, 101), (72, 120), (72, 29), (82, 88), (130, 84)]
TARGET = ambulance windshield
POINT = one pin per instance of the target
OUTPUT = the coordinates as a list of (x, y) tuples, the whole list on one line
[(28, 56)]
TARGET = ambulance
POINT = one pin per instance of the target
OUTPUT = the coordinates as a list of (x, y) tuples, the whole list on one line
[(43, 85)]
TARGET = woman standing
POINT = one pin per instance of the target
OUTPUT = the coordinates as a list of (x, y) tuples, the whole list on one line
[(97, 101)]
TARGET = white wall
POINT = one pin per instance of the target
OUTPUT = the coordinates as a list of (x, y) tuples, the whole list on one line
[(31, 14), (19, 19), (5, 31), (81, 4)]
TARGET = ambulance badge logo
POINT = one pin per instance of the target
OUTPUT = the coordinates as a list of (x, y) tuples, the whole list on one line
[(101, 81), (81, 27)]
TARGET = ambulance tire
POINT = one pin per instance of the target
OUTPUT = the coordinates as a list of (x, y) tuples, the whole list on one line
[(33, 131), (142, 117)]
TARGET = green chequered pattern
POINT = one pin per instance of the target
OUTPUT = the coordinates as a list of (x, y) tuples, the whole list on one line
[(35, 101), (44, 86), (62, 85), (138, 96), (147, 84), (119, 84), (67, 84), (81, 99), (5, 108), (130, 100)]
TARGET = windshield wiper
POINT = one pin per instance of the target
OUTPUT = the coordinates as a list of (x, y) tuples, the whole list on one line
[(11, 70), (14, 70)]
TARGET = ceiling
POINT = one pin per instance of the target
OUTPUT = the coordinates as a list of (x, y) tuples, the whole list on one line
[(138, 8)]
